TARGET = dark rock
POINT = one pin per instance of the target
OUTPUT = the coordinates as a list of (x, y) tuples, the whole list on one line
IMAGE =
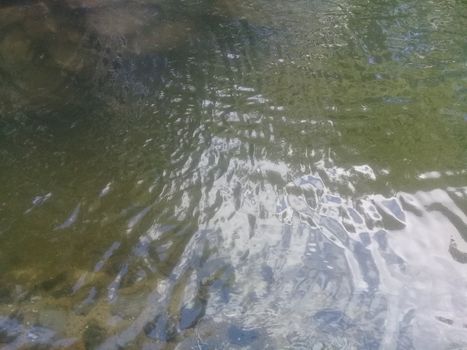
[(162, 328), (93, 335), (189, 316), (53, 282)]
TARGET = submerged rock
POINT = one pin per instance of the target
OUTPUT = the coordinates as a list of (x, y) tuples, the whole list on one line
[(162, 328), (53, 282), (93, 335), (190, 315)]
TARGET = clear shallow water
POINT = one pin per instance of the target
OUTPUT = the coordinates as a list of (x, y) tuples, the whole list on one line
[(215, 175)]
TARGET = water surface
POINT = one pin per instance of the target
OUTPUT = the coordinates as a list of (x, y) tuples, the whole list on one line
[(233, 174)]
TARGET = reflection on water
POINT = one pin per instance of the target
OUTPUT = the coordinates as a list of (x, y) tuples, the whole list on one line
[(247, 174)]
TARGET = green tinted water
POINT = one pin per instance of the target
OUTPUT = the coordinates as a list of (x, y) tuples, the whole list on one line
[(248, 174)]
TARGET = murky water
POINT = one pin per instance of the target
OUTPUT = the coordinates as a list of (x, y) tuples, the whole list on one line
[(233, 174)]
